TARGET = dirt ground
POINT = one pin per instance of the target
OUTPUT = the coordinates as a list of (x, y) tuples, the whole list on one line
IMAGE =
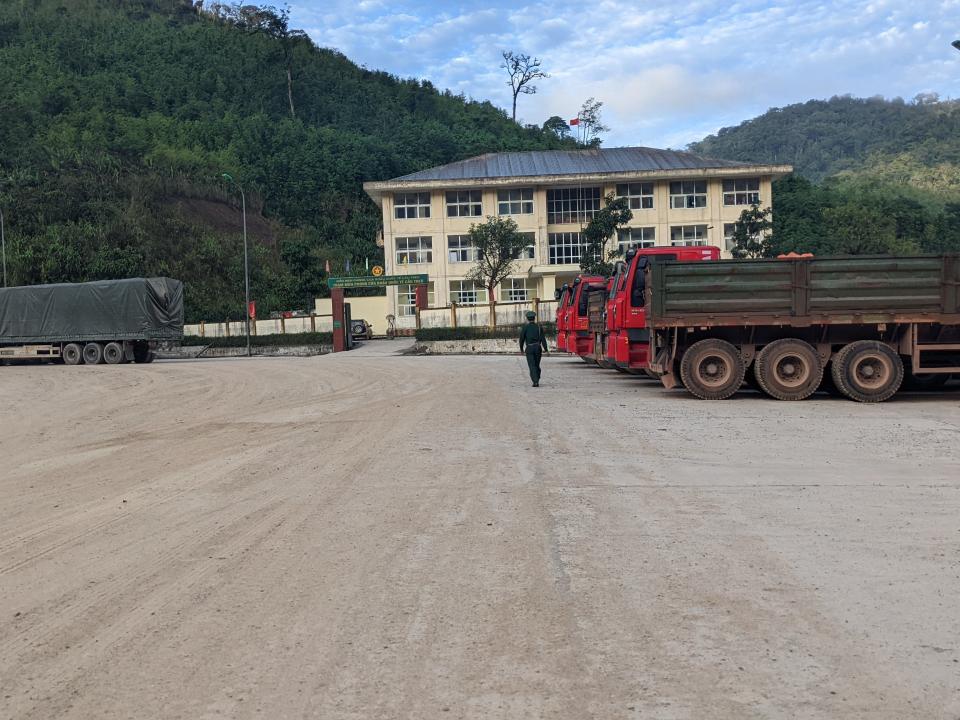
[(373, 536)]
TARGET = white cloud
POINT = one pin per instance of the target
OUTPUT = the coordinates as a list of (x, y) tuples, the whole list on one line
[(665, 77)]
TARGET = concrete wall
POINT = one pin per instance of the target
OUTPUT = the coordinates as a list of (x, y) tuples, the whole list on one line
[(485, 346)]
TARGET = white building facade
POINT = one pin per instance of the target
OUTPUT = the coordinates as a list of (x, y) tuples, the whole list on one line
[(677, 199)]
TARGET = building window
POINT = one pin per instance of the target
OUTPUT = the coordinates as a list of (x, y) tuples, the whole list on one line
[(688, 235), (515, 202), (644, 237), (411, 205), (460, 248), (528, 252), (517, 289), (407, 299), (413, 250), (688, 194), (639, 195), (564, 248), (572, 205), (464, 203), (728, 240), (467, 292), (741, 192)]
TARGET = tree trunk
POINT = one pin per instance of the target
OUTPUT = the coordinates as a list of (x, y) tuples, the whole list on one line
[(492, 302), (514, 107), (293, 113)]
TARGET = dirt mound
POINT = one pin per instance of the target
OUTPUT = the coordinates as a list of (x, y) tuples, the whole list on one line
[(226, 218)]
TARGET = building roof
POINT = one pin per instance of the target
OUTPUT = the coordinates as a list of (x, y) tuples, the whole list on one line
[(557, 166), (568, 162)]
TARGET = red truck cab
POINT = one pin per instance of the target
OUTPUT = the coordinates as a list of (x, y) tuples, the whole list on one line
[(627, 339), (579, 337), (562, 296)]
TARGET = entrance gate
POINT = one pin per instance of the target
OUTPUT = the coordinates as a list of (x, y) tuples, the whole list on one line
[(338, 284)]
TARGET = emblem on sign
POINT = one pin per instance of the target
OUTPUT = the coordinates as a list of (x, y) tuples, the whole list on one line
[(377, 271)]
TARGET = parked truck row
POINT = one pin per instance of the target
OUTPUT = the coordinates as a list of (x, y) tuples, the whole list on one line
[(855, 326), (109, 321)]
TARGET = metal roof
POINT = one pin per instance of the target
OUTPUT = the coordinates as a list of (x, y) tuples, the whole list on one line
[(569, 162)]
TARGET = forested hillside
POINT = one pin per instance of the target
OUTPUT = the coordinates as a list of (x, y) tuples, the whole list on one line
[(117, 118), (821, 138), (872, 175)]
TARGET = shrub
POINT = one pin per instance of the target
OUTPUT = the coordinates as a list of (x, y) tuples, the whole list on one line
[(511, 332), (288, 339)]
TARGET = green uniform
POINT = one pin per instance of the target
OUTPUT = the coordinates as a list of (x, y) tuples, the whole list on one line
[(533, 342)]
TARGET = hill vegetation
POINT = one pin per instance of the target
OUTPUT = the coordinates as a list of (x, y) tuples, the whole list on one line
[(872, 175), (119, 117)]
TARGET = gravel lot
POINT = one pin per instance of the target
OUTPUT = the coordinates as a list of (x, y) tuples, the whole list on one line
[(376, 536)]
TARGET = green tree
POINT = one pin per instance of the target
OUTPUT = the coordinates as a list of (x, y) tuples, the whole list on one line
[(557, 126), (751, 233), (589, 123), (853, 229), (614, 214), (498, 244)]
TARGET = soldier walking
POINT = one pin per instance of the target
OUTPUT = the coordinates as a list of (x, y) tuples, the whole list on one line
[(534, 343)]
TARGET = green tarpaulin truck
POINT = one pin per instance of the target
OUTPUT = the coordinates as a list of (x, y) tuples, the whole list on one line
[(855, 324), (111, 321)]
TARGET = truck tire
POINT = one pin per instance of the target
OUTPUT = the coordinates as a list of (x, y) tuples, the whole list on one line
[(72, 354), (867, 371), (113, 353), (92, 353), (142, 353), (788, 369), (712, 369)]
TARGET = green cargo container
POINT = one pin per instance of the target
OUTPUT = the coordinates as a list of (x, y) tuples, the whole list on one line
[(828, 290)]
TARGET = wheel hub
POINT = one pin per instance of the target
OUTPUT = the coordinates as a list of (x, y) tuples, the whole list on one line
[(713, 370)]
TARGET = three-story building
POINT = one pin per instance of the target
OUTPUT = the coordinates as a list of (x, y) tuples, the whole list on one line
[(677, 198)]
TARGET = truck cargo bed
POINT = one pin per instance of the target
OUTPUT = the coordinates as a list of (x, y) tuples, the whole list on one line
[(814, 291), (102, 311)]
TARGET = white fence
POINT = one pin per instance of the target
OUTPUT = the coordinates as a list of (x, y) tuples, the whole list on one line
[(505, 313), (280, 326)]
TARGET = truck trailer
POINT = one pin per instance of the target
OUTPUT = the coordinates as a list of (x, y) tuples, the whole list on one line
[(859, 323), (107, 321)]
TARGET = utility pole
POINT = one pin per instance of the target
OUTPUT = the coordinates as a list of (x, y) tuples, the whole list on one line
[(246, 261)]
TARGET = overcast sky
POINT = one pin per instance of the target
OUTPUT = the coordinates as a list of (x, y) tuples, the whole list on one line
[(668, 73)]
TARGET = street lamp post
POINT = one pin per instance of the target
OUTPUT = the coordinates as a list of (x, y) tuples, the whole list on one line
[(246, 261)]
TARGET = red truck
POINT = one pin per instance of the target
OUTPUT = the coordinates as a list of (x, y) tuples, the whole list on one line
[(562, 296), (579, 339), (623, 334)]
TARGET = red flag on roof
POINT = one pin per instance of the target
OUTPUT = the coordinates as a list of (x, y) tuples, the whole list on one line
[(575, 121)]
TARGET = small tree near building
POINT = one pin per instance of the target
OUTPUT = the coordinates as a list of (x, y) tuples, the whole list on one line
[(751, 233), (589, 124), (594, 258), (498, 243)]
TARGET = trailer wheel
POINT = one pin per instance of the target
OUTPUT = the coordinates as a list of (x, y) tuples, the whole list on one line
[(867, 371), (712, 369), (92, 353), (113, 353), (71, 354), (142, 353), (788, 369)]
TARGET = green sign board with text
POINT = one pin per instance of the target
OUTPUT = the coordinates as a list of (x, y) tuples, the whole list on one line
[(371, 281)]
